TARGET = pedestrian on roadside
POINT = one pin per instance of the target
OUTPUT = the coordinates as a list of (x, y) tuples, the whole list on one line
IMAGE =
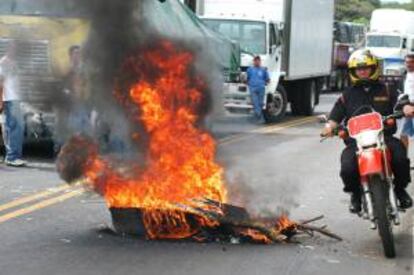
[(408, 89), (74, 115), (79, 118), (10, 97), (257, 79)]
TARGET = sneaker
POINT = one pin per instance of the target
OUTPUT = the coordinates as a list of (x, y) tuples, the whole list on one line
[(16, 163), (404, 198), (355, 205)]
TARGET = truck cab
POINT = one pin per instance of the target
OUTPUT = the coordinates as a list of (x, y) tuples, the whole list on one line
[(391, 48), (282, 34), (257, 37), (391, 38)]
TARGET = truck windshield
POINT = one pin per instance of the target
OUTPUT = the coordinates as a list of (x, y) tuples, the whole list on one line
[(66, 8), (250, 34), (384, 41)]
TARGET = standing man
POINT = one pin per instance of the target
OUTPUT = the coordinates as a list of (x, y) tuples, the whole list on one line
[(10, 97), (257, 79), (78, 119), (408, 89)]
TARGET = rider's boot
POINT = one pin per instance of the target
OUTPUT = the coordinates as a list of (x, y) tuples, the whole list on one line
[(404, 198), (356, 201)]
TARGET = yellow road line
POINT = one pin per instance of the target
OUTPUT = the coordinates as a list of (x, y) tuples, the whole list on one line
[(294, 123), (33, 197), (40, 205), (48, 202), (266, 130)]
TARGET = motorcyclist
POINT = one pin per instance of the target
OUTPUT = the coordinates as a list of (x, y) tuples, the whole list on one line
[(367, 90)]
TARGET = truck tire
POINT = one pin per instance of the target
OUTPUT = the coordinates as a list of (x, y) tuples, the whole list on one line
[(276, 105), (340, 82), (347, 81), (305, 98), (310, 98), (295, 90)]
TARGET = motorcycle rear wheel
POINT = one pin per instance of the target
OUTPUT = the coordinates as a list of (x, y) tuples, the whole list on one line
[(379, 191)]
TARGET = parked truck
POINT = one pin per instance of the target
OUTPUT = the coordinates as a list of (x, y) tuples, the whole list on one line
[(348, 37), (391, 38), (294, 39)]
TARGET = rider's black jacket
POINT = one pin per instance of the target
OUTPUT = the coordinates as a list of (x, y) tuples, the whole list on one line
[(374, 94)]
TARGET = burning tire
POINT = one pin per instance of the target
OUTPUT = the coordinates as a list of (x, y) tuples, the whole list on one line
[(73, 157)]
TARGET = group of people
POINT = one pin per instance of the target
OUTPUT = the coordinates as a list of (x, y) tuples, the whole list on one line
[(11, 99)]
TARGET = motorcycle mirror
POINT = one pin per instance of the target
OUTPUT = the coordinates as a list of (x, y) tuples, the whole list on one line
[(403, 97), (403, 100)]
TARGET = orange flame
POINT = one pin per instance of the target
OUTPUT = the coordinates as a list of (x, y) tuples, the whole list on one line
[(256, 236), (284, 223), (180, 162)]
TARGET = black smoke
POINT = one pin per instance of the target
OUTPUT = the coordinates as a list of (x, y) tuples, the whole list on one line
[(119, 30)]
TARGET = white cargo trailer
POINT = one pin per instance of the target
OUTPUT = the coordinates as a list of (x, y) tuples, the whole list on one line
[(294, 39), (391, 38)]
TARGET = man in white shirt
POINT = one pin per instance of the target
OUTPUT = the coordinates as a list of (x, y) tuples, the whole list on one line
[(10, 106)]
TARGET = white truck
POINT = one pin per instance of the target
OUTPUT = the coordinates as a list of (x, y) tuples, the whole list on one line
[(294, 39), (391, 38)]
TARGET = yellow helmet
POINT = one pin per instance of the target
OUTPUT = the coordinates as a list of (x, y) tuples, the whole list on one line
[(363, 59)]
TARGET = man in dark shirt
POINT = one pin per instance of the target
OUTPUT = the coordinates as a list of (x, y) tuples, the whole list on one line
[(368, 91)]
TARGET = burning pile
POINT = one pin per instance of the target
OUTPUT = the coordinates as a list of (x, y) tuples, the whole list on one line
[(179, 193)]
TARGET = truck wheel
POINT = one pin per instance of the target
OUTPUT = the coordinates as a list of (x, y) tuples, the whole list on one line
[(276, 104), (343, 80), (347, 81), (295, 91), (309, 98), (340, 83), (305, 98)]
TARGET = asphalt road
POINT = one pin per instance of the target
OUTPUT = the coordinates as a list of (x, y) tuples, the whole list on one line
[(49, 230)]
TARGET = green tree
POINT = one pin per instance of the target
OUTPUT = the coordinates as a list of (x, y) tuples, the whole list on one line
[(360, 10), (355, 10), (407, 6)]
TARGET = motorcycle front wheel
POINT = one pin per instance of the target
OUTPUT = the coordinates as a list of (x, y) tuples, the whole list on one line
[(379, 190)]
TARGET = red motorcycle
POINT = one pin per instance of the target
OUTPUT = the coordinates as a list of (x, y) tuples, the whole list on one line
[(379, 202)]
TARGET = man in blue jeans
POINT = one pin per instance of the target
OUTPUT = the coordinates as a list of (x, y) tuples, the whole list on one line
[(257, 79), (10, 106)]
